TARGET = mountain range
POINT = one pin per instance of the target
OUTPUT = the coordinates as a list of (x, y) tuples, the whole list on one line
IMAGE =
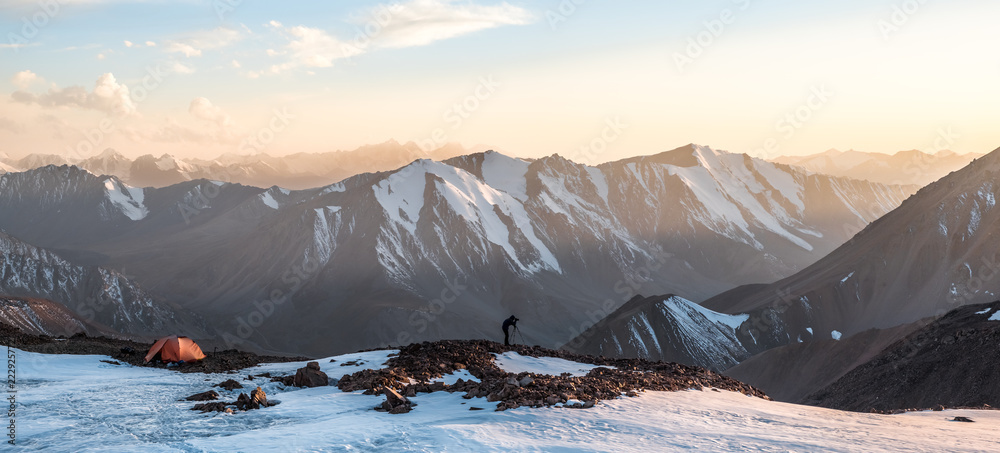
[(905, 167), (444, 249), (295, 171)]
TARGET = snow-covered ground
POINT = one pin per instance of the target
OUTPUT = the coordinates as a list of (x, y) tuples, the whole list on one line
[(77, 403)]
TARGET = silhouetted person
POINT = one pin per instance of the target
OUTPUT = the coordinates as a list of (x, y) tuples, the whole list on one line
[(507, 324)]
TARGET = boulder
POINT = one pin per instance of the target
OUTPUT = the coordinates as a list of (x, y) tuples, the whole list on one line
[(394, 402), (229, 384), (259, 398), (211, 407), (310, 376), (204, 396)]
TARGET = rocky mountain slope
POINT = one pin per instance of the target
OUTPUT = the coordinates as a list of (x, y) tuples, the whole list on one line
[(44, 317), (935, 252), (905, 167), (89, 299), (446, 249), (950, 362)]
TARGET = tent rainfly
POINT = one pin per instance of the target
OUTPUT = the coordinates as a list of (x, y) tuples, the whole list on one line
[(175, 349)]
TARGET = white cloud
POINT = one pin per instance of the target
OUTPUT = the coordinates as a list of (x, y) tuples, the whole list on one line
[(236, 64), (25, 79), (421, 22), (129, 43), (194, 45), (203, 109), (108, 96), (416, 23), (181, 68), (186, 49), (150, 44), (101, 56)]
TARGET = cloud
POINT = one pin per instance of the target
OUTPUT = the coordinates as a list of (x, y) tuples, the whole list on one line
[(181, 68), (194, 45), (150, 44), (10, 125), (416, 23), (25, 79), (235, 64), (108, 96), (129, 43), (204, 110), (422, 22)]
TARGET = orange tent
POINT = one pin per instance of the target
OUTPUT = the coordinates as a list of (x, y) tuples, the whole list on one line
[(175, 349)]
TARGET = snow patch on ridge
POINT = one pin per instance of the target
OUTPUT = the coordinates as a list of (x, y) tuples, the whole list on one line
[(129, 200)]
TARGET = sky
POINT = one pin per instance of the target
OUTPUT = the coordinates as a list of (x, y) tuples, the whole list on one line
[(591, 80)]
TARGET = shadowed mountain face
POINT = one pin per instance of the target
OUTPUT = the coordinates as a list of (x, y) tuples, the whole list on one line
[(951, 362), (447, 249), (905, 167), (935, 252), (90, 299)]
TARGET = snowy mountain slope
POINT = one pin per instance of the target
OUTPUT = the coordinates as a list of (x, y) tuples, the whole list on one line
[(94, 295), (445, 249), (130, 408), (932, 254), (905, 167), (667, 328)]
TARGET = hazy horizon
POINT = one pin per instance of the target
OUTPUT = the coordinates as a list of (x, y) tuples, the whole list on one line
[(594, 82)]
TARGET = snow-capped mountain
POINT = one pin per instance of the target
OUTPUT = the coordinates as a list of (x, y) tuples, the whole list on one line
[(905, 167), (100, 299), (446, 249), (667, 328), (937, 251)]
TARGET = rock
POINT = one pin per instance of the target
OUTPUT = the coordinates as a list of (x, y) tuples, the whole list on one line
[(588, 404), (229, 384), (204, 396), (310, 376), (938, 408), (459, 366), (260, 398), (394, 402), (963, 419), (525, 381), (211, 407)]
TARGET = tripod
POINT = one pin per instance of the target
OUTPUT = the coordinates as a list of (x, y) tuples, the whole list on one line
[(517, 337)]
